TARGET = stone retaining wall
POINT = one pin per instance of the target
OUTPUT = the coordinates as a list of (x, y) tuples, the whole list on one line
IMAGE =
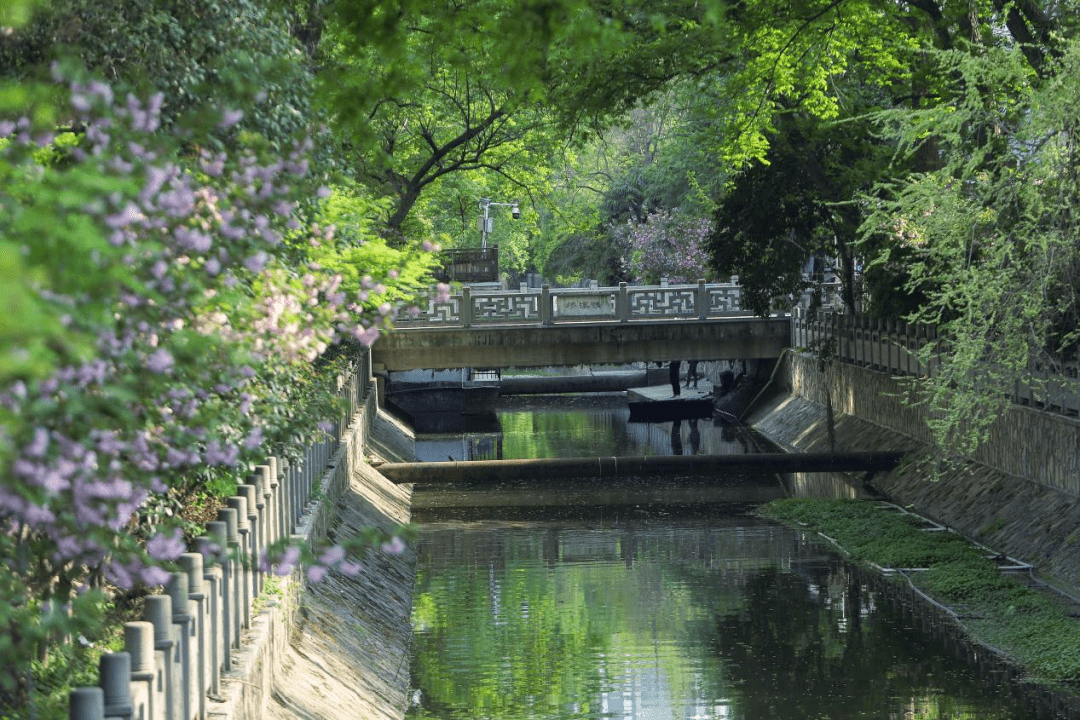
[(339, 648), (1019, 495)]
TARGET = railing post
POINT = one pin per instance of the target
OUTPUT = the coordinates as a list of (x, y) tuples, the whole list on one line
[(243, 546), (622, 303), (192, 565), (186, 652), (466, 307), (546, 310), (86, 703), (114, 676), (219, 535), (258, 513), (702, 300), (279, 498), (139, 644), (214, 623), (158, 612)]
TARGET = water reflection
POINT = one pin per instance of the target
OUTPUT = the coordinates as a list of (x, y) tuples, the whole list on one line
[(725, 618), (654, 597), (581, 425)]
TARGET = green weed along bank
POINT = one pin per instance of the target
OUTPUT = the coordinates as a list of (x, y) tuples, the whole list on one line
[(1035, 630)]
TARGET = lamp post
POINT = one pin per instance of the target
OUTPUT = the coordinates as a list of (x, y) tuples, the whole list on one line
[(486, 222)]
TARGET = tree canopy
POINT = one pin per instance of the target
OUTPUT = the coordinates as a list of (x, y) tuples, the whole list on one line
[(206, 202)]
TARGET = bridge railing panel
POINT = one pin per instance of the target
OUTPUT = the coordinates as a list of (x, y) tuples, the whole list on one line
[(626, 303), (676, 301), (498, 308)]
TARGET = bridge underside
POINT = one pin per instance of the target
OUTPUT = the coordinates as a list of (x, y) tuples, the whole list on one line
[(582, 343)]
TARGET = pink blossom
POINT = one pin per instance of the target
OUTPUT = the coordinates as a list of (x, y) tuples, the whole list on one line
[(332, 555), (161, 547), (160, 361), (395, 547), (153, 576), (316, 573), (230, 118), (39, 444), (350, 568), (367, 337)]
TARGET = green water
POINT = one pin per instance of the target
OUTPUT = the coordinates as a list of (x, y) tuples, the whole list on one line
[(650, 610)]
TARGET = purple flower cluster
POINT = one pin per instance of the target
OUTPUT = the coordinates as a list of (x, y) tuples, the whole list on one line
[(669, 244), (186, 327)]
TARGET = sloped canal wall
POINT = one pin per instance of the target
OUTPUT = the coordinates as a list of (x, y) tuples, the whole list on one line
[(1020, 494)]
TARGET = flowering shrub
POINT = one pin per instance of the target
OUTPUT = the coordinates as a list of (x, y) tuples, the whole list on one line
[(169, 296), (669, 244)]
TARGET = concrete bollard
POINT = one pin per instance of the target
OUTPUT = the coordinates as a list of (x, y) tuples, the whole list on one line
[(114, 676), (232, 590), (255, 538), (293, 485), (158, 612), (284, 477), (183, 619), (223, 598), (262, 531), (86, 703), (269, 515), (277, 491), (243, 555), (192, 565), (139, 644)]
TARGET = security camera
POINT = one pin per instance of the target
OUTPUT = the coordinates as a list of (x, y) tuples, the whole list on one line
[(515, 211)]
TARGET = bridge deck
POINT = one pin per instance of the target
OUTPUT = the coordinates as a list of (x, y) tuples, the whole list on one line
[(582, 343)]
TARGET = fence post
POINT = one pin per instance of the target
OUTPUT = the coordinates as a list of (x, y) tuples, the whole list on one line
[(278, 499), (139, 644), (233, 581), (219, 536), (114, 676), (622, 303), (243, 547), (255, 538), (187, 653), (158, 612), (252, 490), (466, 307), (546, 310), (192, 565), (702, 300), (86, 703)]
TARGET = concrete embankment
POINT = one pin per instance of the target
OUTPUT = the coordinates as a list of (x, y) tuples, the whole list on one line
[(348, 653), (339, 648), (1019, 495)]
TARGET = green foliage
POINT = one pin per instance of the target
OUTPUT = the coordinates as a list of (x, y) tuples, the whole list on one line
[(988, 238), (203, 53), (1031, 627)]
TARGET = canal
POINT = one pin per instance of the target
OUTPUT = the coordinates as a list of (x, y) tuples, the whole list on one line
[(652, 598)]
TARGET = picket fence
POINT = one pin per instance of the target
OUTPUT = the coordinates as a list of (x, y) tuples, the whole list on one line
[(174, 659)]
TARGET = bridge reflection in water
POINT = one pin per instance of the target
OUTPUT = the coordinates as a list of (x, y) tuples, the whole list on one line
[(637, 601)]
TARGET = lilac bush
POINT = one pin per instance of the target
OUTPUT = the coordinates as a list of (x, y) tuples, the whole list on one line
[(168, 331), (669, 244)]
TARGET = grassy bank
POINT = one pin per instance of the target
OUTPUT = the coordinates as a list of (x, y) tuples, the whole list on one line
[(1034, 629)]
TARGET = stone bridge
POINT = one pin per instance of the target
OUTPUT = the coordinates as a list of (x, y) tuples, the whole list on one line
[(573, 326)]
